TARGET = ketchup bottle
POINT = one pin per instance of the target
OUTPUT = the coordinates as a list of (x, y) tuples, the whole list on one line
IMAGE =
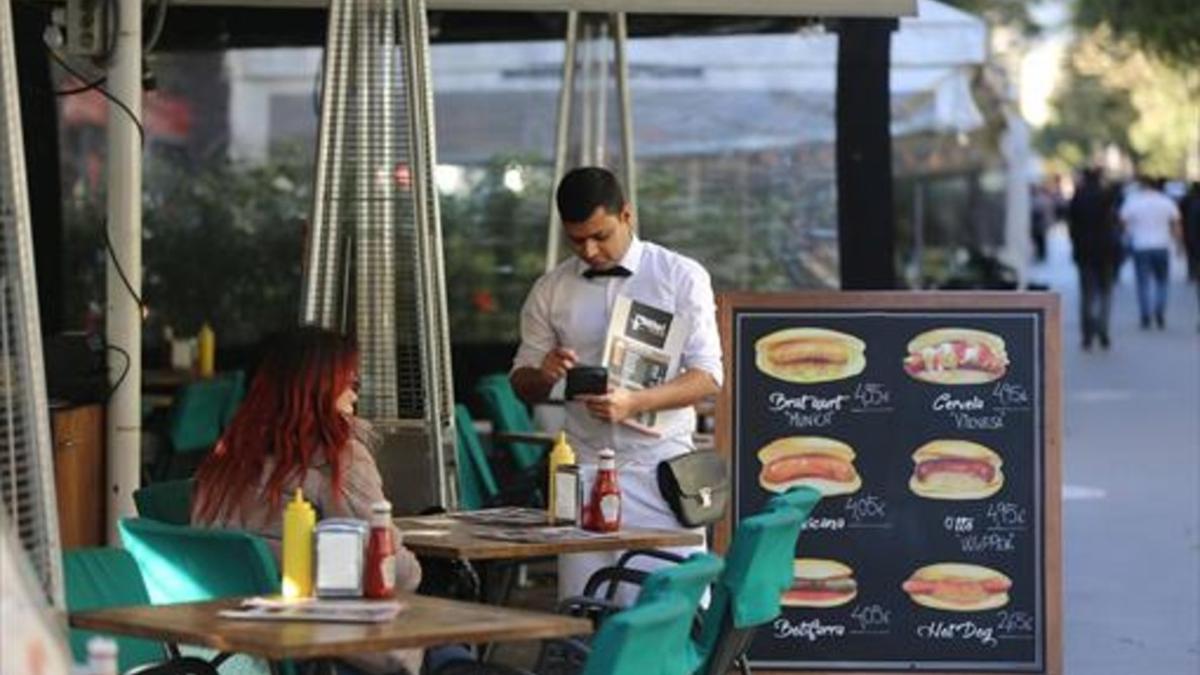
[(605, 503), (380, 576)]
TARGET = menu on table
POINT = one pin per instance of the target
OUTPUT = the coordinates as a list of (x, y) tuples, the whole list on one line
[(929, 424)]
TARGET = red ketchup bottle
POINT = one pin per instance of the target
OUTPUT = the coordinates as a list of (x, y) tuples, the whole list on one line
[(380, 573), (605, 504)]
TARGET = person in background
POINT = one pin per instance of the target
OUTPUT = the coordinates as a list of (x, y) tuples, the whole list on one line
[(1095, 246), (1191, 234), (564, 322), (1151, 219), (297, 428)]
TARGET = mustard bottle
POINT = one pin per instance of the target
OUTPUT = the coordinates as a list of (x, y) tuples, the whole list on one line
[(299, 521), (560, 455), (206, 351)]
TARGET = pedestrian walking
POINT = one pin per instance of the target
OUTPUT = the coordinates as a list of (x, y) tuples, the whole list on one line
[(1191, 234), (1151, 220), (1095, 243)]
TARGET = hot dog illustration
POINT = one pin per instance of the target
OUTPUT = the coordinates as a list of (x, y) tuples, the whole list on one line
[(817, 582), (808, 355), (824, 464), (956, 356), (958, 587), (956, 469)]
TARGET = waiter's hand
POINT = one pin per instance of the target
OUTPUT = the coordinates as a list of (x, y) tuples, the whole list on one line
[(557, 362), (618, 404)]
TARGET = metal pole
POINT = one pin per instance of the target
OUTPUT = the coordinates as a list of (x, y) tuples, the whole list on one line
[(587, 93), (600, 136), (123, 316), (620, 43), (316, 288), (565, 97), (440, 385)]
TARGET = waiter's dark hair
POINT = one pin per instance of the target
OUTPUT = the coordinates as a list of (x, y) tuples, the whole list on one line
[(584, 189)]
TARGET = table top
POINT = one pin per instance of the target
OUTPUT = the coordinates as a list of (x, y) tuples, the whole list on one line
[(442, 536), (424, 622)]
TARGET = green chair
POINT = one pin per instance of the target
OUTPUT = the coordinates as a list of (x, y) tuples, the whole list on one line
[(193, 424), (669, 652), (634, 642), (189, 564), (166, 502), (509, 416), (758, 570), (235, 391), (100, 578), (477, 486)]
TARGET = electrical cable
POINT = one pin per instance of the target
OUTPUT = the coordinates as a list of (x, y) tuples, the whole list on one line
[(156, 31), (120, 378), (112, 254), (117, 102)]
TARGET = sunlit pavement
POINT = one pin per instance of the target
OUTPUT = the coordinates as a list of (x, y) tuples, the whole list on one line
[(1131, 511)]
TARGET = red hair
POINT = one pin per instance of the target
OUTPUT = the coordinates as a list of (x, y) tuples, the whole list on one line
[(289, 414)]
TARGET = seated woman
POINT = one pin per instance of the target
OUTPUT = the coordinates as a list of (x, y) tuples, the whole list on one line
[(297, 428)]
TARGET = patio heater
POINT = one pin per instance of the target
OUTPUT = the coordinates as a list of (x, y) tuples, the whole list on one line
[(583, 99), (374, 260), (26, 469)]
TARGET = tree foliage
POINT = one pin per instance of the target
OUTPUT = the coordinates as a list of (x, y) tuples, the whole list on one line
[(1168, 29), (1011, 13), (1113, 94)]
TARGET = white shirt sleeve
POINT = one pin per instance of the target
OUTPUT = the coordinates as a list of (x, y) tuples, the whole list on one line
[(702, 348), (537, 335)]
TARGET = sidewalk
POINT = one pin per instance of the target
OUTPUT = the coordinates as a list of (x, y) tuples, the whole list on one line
[(1131, 499)]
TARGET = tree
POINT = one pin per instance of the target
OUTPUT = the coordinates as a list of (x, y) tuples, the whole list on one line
[(1168, 29), (1113, 94)]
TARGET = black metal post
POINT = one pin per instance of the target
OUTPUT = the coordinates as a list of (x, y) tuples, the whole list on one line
[(866, 221)]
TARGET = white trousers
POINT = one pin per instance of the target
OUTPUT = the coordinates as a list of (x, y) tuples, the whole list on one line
[(641, 506)]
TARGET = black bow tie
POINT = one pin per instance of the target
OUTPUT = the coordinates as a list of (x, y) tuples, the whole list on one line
[(615, 271)]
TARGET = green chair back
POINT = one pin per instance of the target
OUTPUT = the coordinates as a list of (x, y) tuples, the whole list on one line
[(686, 581), (509, 414), (189, 564), (631, 642), (758, 570), (166, 501), (100, 578), (235, 391), (195, 420), (477, 486)]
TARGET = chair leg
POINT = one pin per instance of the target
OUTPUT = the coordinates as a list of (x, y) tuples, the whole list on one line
[(745, 664)]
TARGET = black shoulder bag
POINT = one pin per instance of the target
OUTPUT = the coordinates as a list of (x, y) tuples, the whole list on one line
[(695, 486)]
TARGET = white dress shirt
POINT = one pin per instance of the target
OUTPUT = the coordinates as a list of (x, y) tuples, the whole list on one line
[(1148, 215), (564, 309)]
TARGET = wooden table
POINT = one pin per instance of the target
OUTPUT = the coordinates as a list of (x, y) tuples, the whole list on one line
[(425, 622), (445, 537)]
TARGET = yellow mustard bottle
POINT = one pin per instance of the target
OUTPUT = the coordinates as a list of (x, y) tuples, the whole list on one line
[(206, 351), (561, 454), (299, 521)]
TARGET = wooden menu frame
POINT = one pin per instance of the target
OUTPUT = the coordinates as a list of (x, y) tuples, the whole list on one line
[(1048, 304)]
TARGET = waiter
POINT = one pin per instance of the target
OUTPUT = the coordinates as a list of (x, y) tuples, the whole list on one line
[(564, 323)]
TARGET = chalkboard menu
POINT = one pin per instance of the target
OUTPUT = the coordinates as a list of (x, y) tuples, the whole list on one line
[(929, 422)]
